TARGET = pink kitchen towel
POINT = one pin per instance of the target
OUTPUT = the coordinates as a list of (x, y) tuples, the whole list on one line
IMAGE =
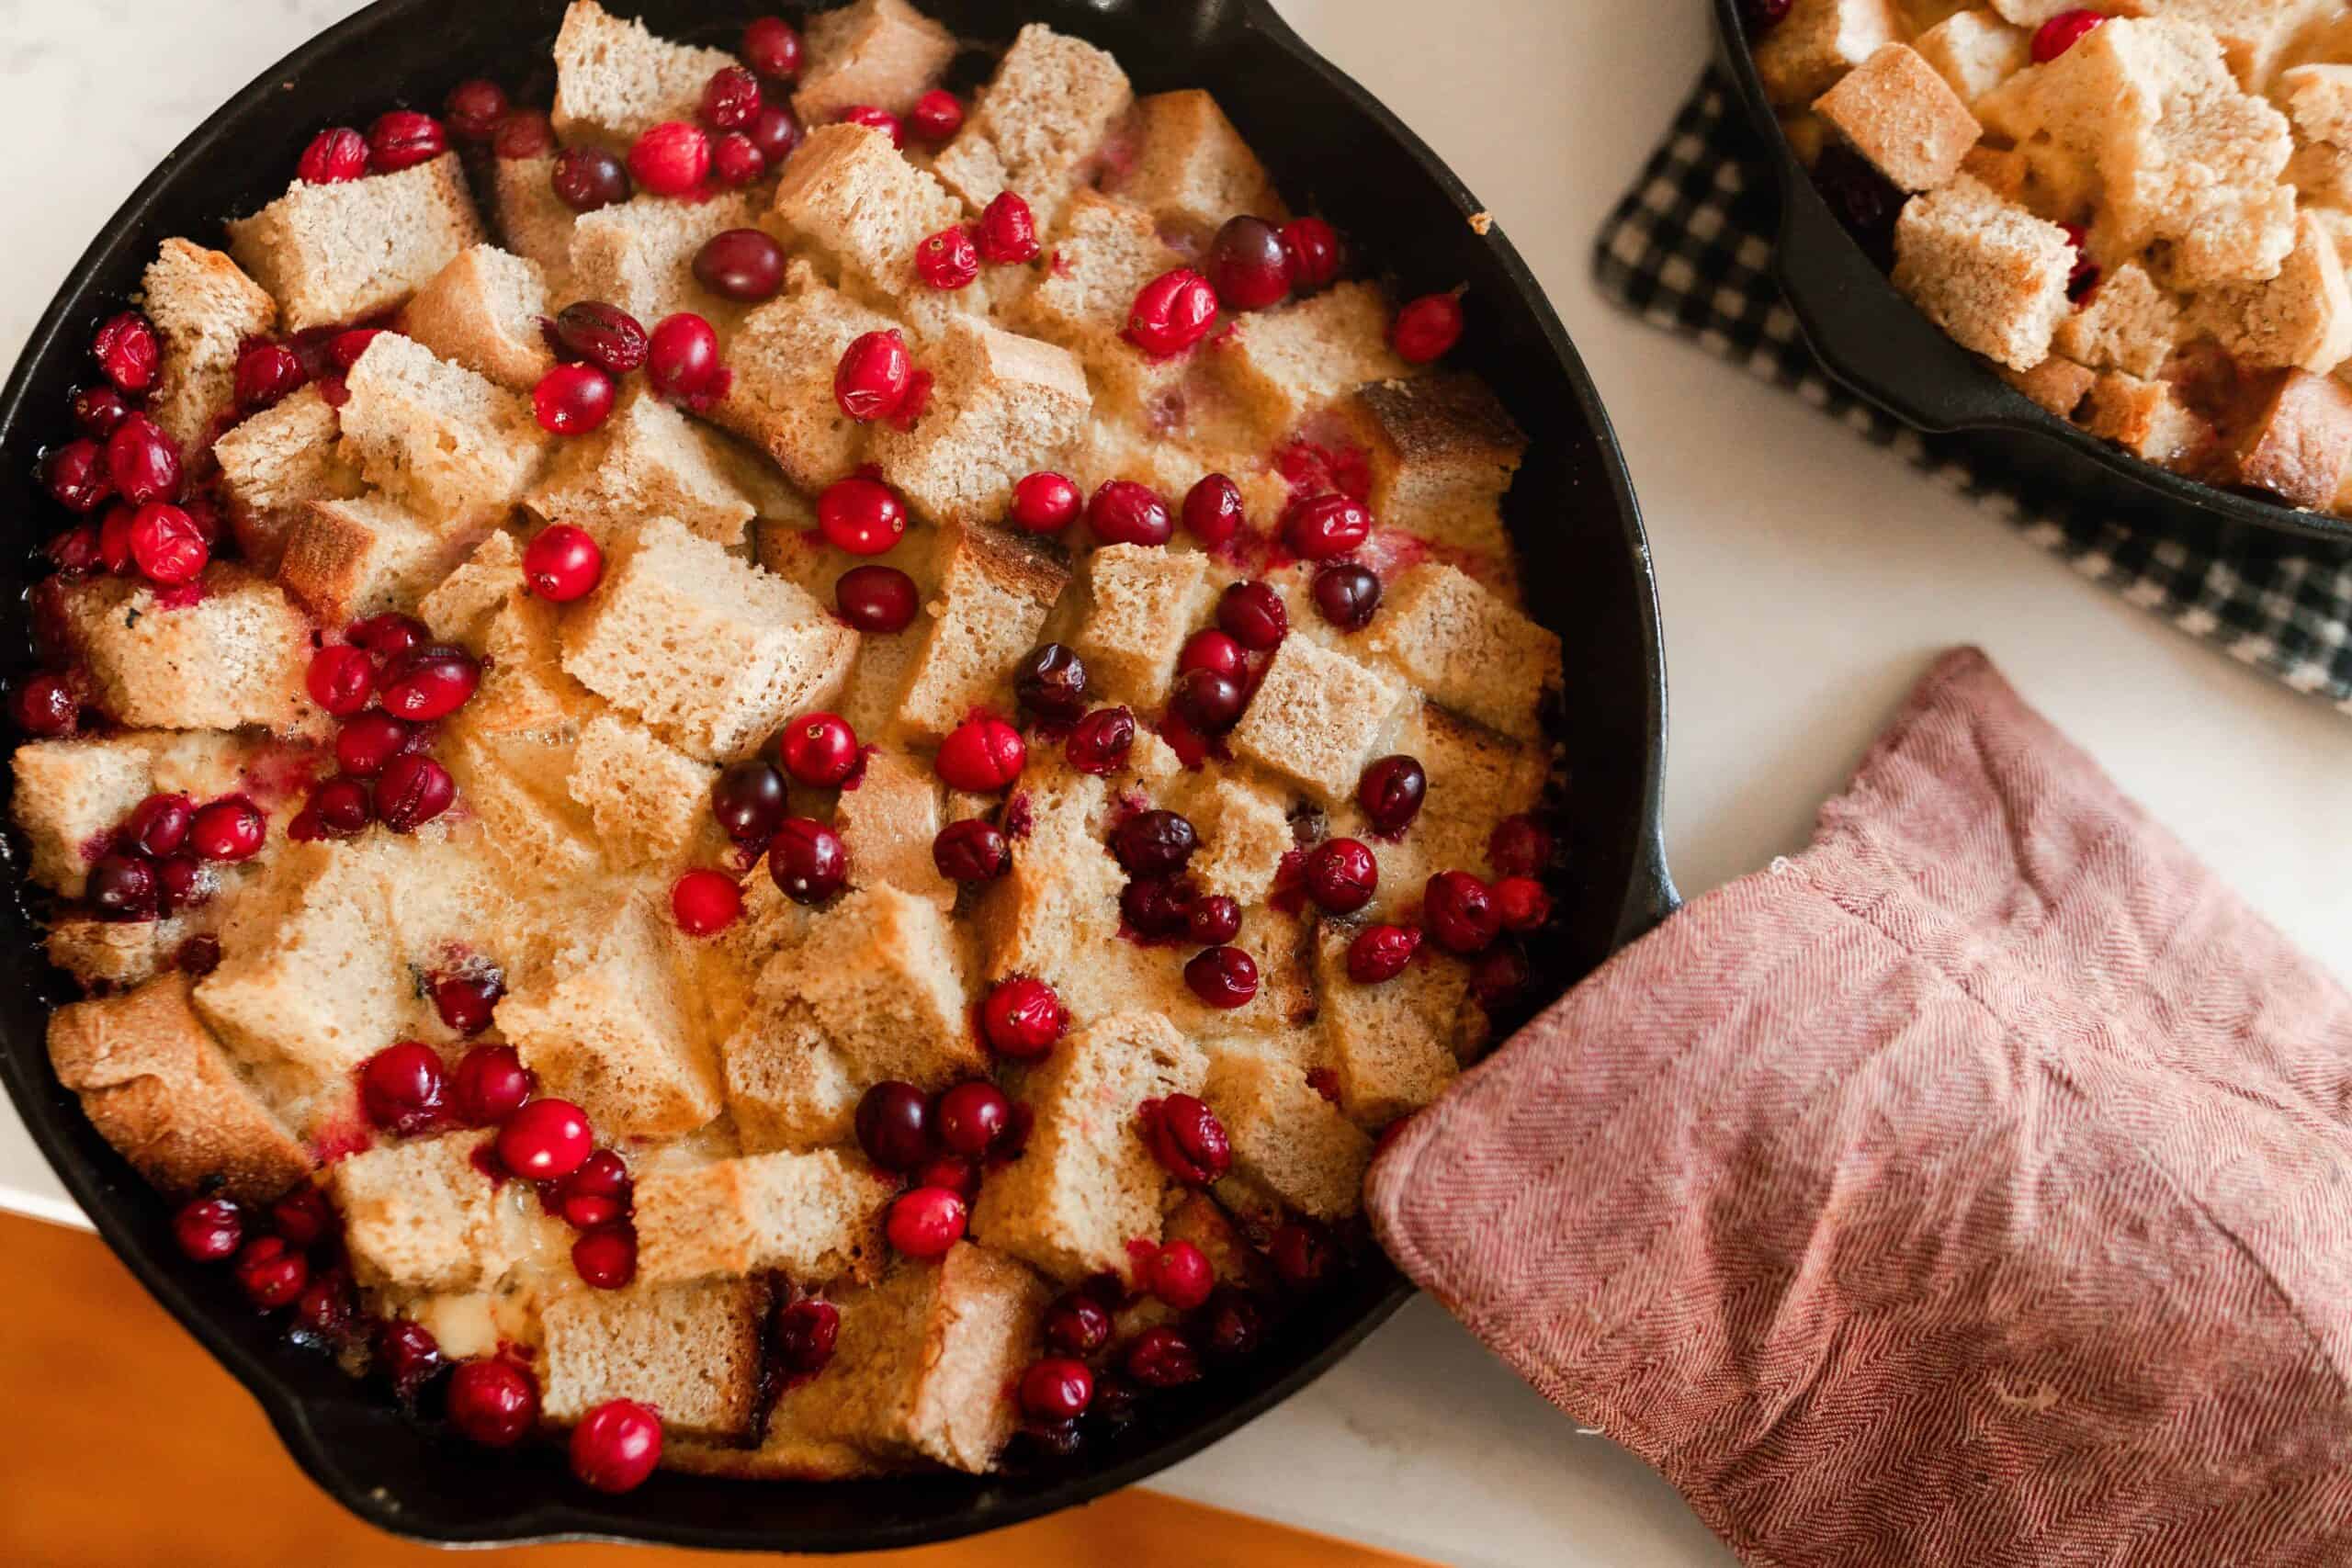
[(1974, 1188)]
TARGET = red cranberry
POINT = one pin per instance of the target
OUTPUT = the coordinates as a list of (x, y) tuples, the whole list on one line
[(1022, 1018), (1171, 313), (1117, 1400), (807, 860), (98, 409), (324, 1309), (731, 99), (208, 1229), (1522, 903), (1253, 615), (1154, 907), (736, 161), (304, 1216), (774, 132), (1499, 977), (1249, 265), (880, 119), (409, 1356), (1222, 976), (345, 348), (773, 48), (2084, 278), (871, 381), (894, 1125), (369, 740), (464, 1002), (604, 336), (1460, 912), (589, 178), (142, 462), (949, 260), (1185, 1137), (128, 352), (1346, 594), (545, 1140), (1213, 919), (1303, 1255), (743, 265), (228, 830), (926, 1222), (431, 682), (1209, 701), (1212, 512), (705, 902), (183, 881), (670, 158), (616, 1446), (860, 515), (598, 1194), (749, 801), (1008, 232), (805, 1335), (1154, 843), (121, 888), (562, 563), (78, 474), (1125, 513), (522, 133), (572, 400), (492, 1402), (1391, 792), (1519, 846), (271, 1273), (606, 1258), (818, 749), (981, 755), (879, 599), (1315, 253), (1100, 742), (267, 374), (936, 116), (1214, 650), (1180, 1275), (1235, 1325), (1325, 526), (682, 359), (2062, 32), (490, 1085), (79, 552), (403, 139), (1077, 1324), (1045, 502), (334, 157), (1162, 1357), (342, 807), (403, 1089), (474, 108), (1428, 328), (412, 791), (1381, 953), (1056, 1389), (954, 1172), (340, 679), (1341, 875), (43, 705), (158, 825), (972, 1116), (970, 850)]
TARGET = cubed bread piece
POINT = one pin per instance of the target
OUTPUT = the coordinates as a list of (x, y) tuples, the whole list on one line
[(1986, 271), (2059, 385), (639, 254), (108, 956), (339, 254), (2146, 417), (1442, 450), (1477, 778), (815, 1216), (1288, 363), (483, 312), (2299, 448), (647, 799), (1002, 406), (351, 558), (1087, 1184), (1902, 117), (710, 651), (2130, 323), (885, 53), (1975, 51), (233, 654), (781, 399), (887, 818), (2254, 34), (1142, 602), (527, 694), (460, 610), (881, 974), (421, 1213), (995, 590), (1037, 126), (513, 785), (70, 797), (1288, 1141), (691, 1351), (204, 309), (157, 1086), (851, 194), (1192, 170), (1059, 904), (456, 446), (2300, 318), (1467, 648), (1317, 716), (1391, 1044), (605, 1021), (613, 80), (2319, 101), (1818, 41), (1245, 833), (786, 1086), (273, 465), (648, 461), (1099, 256), (533, 221)]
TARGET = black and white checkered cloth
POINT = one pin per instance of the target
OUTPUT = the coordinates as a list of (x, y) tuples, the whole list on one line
[(1690, 250)]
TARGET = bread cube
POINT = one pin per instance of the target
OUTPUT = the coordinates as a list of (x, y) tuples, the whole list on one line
[(2058, 385), (1192, 170), (814, 1216), (1142, 602), (2299, 448), (483, 312), (456, 447), (886, 819), (1087, 1185), (786, 1086), (273, 465), (1989, 273), (108, 956), (460, 608), (639, 254), (1442, 450), (649, 801), (781, 395), (2254, 34), (1393, 1045), (70, 797), (710, 651), (2129, 324), (1317, 717), (333, 254), (1289, 1143), (2301, 318), (884, 53), (203, 308), (351, 558), (881, 974), (648, 461), (854, 198), (527, 694), (2319, 101), (1903, 118), (2146, 417), (1102, 255), (1818, 41), (1245, 833), (1058, 906), (421, 1213), (533, 221), (1288, 363), (691, 1352), (1467, 648), (1975, 51), (1037, 124), (613, 80), (157, 1086), (231, 650), (995, 590), (1001, 405)]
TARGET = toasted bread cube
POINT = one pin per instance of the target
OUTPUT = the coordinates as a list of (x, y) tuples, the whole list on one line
[(513, 785), (639, 254), (648, 800), (343, 253), (2131, 324), (995, 590), (2146, 417), (1477, 778), (1903, 118), (460, 610), (236, 656), (2300, 450), (691, 1351), (1988, 272), (2058, 385), (1087, 1184), (204, 309), (1142, 602), (456, 446), (2319, 101), (1192, 170), (782, 396), (888, 821), (1467, 648), (1818, 41), (882, 53), (851, 194), (1393, 1045), (1442, 451), (483, 312), (533, 221), (1001, 406), (1036, 126), (1059, 904), (1101, 254), (1288, 363), (157, 1086), (273, 465), (815, 1216), (108, 956), (2301, 318), (2254, 34), (1245, 833), (526, 694), (421, 1213), (710, 651), (786, 1086), (70, 797), (648, 461), (613, 80), (1289, 1143), (1975, 51), (881, 974), (1315, 717), (351, 558)]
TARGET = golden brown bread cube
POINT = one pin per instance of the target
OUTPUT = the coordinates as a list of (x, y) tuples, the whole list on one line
[(1901, 116), (690, 1350), (203, 308), (814, 1216), (1035, 127), (483, 311), (615, 80), (1001, 405), (338, 254), (995, 590), (885, 53), (1317, 717), (233, 654), (421, 1212), (1192, 170), (273, 465)]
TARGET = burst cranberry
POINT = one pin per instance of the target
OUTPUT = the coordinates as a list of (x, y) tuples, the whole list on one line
[(1460, 912), (1125, 513), (749, 801), (1209, 701), (1391, 792), (334, 157), (1100, 742), (2062, 32), (121, 888), (1248, 265), (1050, 681), (894, 1125), (1213, 511), (342, 807), (1153, 908), (79, 552), (860, 515), (743, 265), (127, 351), (807, 860), (604, 336), (228, 830), (606, 1258), (1214, 650), (402, 139), (271, 1273), (431, 682), (972, 1116), (572, 400), (1045, 502), (412, 791), (1180, 1275), (926, 1222), (114, 539), (731, 99), (1428, 328), (936, 116), (369, 740), (562, 563), (1056, 1389), (682, 359), (616, 1446), (1324, 526), (492, 1402), (208, 1229), (184, 881), (1213, 919), (475, 108), (267, 373), (670, 158), (1162, 1357), (545, 1140), (464, 1001), (1185, 1137), (589, 178), (403, 1089), (871, 381), (143, 461), (304, 1216), (158, 825), (1234, 1326), (949, 260), (1008, 232), (1154, 843), (166, 546), (1499, 977), (1222, 976), (774, 133), (522, 133), (98, 409), (1022, 1018), (491, 1083), (1381, 953), (1341, 875), (818, 749), (1315, 251), (772, 48), (324, 1309), (1303, 1254), (1171, 313), (880, 119), (875, 598), (340, 679), (345, 348), (1253, 615), (77, 474), (705, 902), (408, 1354), (736, 161), (1521, 903), (970, 850), (1077, 1324), (806, 1333), (981, 755), (1346, 594)]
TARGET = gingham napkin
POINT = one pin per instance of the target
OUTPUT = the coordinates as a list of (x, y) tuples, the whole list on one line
[(1690, 250)]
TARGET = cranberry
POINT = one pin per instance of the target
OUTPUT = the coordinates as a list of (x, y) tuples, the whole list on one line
[(1214, 650), (705, 902), (818, 749), (1125, 513), (143, 461), (606, 1258), (773, 48), (1522, 903), (875, 598), (949, 260), (1315, 251), (743, 265), (128, 352), (1324, 526), (1865, 202), (491, 1083), (524, 133), (736, 161), (1253, 615), (1234, 1326), (936, 116), (431, 682), (807, 860), (774, 133), (1056, 1389), (409, 1356), (981, 755), (412, 791), (121, 888), (403, 1089), (1213, 511), (304, 1216), (670, 158), (545, 1140), (1022, 1018), (334, 157), (228, 830), (403, 139), (77, 474), (1154, 843), (1499, 977), (1428, 328), (1077, 1324), (970, 850), (1303, 1254), (474, 108), (1460, 912), (98, 409), (342, 807), (805, 1335), (1162, 1357), (1761, 16), (324, 1309), (1391, 792), (492, 1402), (871, 381), (616, 1446), (1171, 313), (749, 801), (1180, 1275), (208, 1229), (880, 119), (972, 1116), (599, 1193), (860, 515), (1008, 232), (1209, 701), (158, 825), (894, 1125), (184, 881), (1185, 1137), (464, 1003), (79, 552), (1519, 846), (1045, 502), (562, 563), (267, 373), (572, 400), (1248, 265), (1381, 953), (1100, 742), (271, 1273), (731, 99), (1154, 907), (369, 740), (1117, 1400), (1213, 919), (1346, 594), (682, 359), (604, 336), (2062, 32), (340, 679), (1341, 875), (1050, 681), (1222, 976), (926, 1222), (589, 178), (345, 348)]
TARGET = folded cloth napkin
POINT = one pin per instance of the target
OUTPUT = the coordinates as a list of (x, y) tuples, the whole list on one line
[(1975, 1187)]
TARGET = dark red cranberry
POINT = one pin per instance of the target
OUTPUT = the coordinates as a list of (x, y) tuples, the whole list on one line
[(408, 1354), (1056, 1389), (1253, 615), (121, 888), (1153, 908), (1381, 953), (955, 1173), (599, 1193), (773, 48), (369, 740), (431, 682), (1427, 329), (743, 265), (1162, 1357), (210, 1230), (412, 791), (1499, 977), (926, 1222), (705, 902), (731, 99), (936, 116), (1341, 875), (562, 562), (862, 517), (325, 1308), (1022, 1018), (572, 400), (1519, 846), (1222, 977), (981, 755), (491, 1084), (1214, 651), (340, 679), (522, 133), (159, 824), (78, 475), (949, 260), (818, 749), (1077, 1324), (2062, 32), (589, 178), (1125, 513), (876, 119), (894, 1125), (342, 807), (1209, 701), (879, 599), (1213, 919), (1050, 681), (1154, 843), (871, 381), (98, 409), (142, 462), (1249, 265), (304, 1217), (1346, 594), (606, 1258), (1186, 1137), (970, 850), (972, 1116), (114, 539), (604, 336), (465, 1001), (545, 1140), (751, 802), (345, 348), (1100, 742), (1008, 232), (807, 860), (128, 352), (1324, 526), (271, 1273), (1521, 903), (1045, 502), (1171, 313), (334, 157), (1234, 1326), (1180, 1275), (735, 160), (403, 1089), (682, 358), (1303, 1254), (670, 159), (806, 1333), (1391, 792), (1315, 251), (229, 830), (492, 1402), (1460, 912), (1117, 1400), (1212, 512), (184, 881), (1761, 16), (267, 374), (43, 705), (402, 139), (616, 1446), (774, 132), (474, 108)]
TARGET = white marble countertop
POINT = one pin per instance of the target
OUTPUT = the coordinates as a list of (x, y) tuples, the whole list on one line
[(1807, 581)]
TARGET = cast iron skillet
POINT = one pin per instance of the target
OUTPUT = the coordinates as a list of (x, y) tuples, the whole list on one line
[(1882, 348), (1573, 512)]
